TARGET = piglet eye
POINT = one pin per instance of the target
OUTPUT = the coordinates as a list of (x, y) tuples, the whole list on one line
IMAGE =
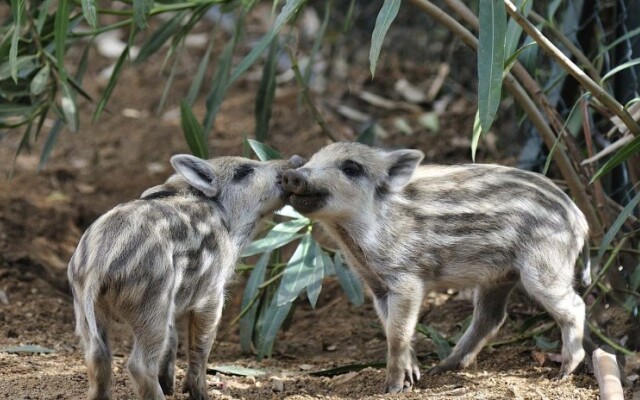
[(351, 168), (242, 172)]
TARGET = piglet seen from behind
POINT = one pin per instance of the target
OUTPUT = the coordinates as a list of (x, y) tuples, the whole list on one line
[(165, 257)]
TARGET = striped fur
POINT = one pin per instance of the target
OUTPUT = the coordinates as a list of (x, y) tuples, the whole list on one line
[(407, 230), (165, 257)]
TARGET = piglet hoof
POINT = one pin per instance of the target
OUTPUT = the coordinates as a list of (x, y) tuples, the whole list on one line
[(443, 367), (195, 392)]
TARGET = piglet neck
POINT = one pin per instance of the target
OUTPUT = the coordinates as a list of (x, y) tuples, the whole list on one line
[(241, 224)]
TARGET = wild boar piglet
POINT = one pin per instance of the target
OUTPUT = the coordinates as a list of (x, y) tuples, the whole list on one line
[(408, 229), (167, 256)]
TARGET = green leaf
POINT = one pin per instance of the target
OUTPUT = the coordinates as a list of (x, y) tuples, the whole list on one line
[(544, 343), (219, 85), (23, 63), (281, 234), (349, 282), (196, 83), (248, 4), (617, 225), (317, 43), (274, 318), (288, 11), (493, 21), (514, 30), (193, 132), (298, 271), (385, 17), (475, 138), (315, 281), (89, 12), (329, 269), (443, 348), (236, 371), (348, 19), (159, 37), (266, 92), (288, 211), (49, 143), (251, 289), (619, 68), (367, 135), (113, 80), (26, 349), (17, 7), (631, 148), (169, 83), (61, 30), (141, 9), (43, 13), (623, 38), (69, 107), (264, 152)]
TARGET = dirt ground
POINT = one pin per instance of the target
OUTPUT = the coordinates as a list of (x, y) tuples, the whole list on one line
[(43, 214)]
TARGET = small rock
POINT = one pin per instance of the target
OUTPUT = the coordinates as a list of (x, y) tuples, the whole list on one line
[(277, 385), (331, 347), (306, 367), (250, 379), (3, 297)]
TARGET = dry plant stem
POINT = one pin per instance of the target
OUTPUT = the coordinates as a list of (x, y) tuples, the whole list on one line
[(535, 92), (579, 55), (565, 165), (608, 341), (588, 83), (605, 268), (599, 192)]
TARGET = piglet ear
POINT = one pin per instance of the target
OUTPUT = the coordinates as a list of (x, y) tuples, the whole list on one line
[(198, 173), (401, 167)]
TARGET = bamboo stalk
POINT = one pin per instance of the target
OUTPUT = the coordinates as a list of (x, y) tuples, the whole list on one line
[(537, 119), (584, 79)]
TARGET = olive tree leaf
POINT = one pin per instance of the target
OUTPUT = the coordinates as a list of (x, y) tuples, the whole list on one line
[(493, 25), (266, 92), (141, 9), (193, 132), (264, 152), (278, 236), (298, 271), (17, 7), (274, 317), (387, 14), (69, 107), (349, 282), (251, 290), (315, 280), (89, 12)]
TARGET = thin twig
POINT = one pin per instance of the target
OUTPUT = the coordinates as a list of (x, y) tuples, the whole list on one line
[(523, 336), (601, 94), (608, 341), (604, 269)]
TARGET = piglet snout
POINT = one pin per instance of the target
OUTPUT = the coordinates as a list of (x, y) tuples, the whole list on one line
[(294, 182)]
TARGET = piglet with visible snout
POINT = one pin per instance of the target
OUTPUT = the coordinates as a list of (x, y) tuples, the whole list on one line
[(167, 257), (407, 230)]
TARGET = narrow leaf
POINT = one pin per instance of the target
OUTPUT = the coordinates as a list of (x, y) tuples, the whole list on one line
[(159, 37), (274, 318), (89, 12), (514, 30), (443, 348), (61, 30), (264, 152), (631, 148), (288, 211), (43, 13), (367, 135), (385, 17), (315, 281), (111, 84), (349, 282), (141, 9), (251, 289), (23, 64), (329, 269), (298, 271), (17, 7), (193, 132), (619, 68), (196, 83), (49, 143), (544, 343), (281, 234), (266, 92), (69, 107), (288, 11), (493, 21), (39, 82), (617, 225), (235, 370)]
